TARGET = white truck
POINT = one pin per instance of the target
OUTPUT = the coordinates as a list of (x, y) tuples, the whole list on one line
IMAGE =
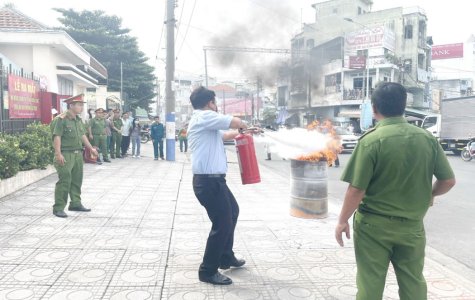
[(455, 125)]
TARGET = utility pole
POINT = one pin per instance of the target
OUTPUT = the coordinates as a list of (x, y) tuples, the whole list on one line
[(224, 102), (252, 107), (121, 87), (257, 96), (170, 71), (206, 68)]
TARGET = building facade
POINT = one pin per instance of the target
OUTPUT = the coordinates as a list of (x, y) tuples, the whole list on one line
[(453, 69), (62, 66), (337, 61)]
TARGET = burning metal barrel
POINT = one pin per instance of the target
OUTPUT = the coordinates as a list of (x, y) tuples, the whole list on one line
[(309, 189)]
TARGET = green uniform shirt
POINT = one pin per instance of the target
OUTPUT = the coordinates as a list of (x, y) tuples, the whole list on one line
[(117, 123), (98, 126), (395, 163), (70, 130)]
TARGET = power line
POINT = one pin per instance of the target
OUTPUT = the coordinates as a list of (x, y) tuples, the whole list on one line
[(161, 36), (187, 28), (243, 49), (179, 20)]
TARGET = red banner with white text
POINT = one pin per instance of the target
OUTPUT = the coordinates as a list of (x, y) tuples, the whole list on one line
[(23, 98)]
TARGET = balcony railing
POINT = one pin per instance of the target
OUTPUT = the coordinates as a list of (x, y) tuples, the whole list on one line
[(355, 94)]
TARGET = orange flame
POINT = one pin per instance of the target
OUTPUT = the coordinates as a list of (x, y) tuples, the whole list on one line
[(333, 147)]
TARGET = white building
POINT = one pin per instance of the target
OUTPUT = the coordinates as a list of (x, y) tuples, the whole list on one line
[(64, 67), (332, 57)]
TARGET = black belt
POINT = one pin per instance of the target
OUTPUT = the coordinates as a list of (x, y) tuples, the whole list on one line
[(210, 175)]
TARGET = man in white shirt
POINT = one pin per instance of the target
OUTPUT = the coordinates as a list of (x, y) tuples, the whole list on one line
[(125, 134), (206, 131)]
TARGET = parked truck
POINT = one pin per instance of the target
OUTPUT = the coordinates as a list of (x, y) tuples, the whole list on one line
[(455, 125)]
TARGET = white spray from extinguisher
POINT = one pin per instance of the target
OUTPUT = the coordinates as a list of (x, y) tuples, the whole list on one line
[(291, 143)]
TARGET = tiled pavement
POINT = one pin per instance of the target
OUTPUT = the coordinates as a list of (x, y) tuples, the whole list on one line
[(146, 234)]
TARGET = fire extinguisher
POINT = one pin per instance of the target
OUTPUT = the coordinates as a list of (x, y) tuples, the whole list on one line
[(247, 158)]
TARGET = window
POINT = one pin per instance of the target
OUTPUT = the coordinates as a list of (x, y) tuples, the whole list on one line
[(335, 11), (420, 61), (362, 52), (65, 86), (408, 32), (385, 79), (359, 10), (422, 29)]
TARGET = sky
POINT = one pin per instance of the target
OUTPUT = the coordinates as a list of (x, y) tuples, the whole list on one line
[(244, 23)]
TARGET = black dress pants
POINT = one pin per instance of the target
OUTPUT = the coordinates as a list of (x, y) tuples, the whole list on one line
[(125, 144), (223, 211)]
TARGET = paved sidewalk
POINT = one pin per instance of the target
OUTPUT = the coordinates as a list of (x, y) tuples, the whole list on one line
[(146, 234)]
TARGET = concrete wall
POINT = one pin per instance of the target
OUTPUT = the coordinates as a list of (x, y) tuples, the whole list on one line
[(23, 179)]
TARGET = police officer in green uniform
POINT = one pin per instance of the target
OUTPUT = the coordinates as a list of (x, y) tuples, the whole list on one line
[(69, 136), (116, 134), (97, 133), (390, 186)]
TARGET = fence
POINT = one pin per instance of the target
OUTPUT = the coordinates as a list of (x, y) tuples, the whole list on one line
[(7, 124)]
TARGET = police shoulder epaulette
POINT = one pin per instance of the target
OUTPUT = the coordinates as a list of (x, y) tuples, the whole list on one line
[(62, 115), (367, 132)]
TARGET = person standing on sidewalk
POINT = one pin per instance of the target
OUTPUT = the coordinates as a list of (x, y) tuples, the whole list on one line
[(183, 138), (116, 128), (69, 136), (97, 133), (157, 132), (135, 131), (125, 142), (390, 175), (108, 121), (209, 166)]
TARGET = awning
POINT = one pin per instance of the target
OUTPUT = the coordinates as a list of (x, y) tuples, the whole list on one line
[(350, 112), (418, 113)]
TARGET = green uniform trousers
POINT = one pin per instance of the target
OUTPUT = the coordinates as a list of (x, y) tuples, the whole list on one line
[(115, 144), (70, 181), (380, 240), (100, 141)]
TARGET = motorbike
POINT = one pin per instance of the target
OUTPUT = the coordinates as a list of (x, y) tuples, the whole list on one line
[(469, 151), (145, 136)]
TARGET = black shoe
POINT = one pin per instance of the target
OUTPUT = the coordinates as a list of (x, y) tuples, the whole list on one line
[(155, 158), (235, 263), (217, 278), (162, 158), (79, 208), (107, 161), (112, 157), (60, 214), (98, 162)]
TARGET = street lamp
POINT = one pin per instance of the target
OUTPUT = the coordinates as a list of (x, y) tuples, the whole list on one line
[(367, 58)]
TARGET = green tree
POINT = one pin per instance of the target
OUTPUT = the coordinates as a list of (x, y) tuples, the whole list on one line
[(103, 36)]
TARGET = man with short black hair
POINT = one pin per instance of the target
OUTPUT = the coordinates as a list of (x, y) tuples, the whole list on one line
[(69, 138), (157, 132), (206, 131), (125, 141), (390, 186)]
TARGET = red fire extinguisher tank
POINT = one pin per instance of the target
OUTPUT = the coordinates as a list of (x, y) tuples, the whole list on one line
[(247, 159)]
